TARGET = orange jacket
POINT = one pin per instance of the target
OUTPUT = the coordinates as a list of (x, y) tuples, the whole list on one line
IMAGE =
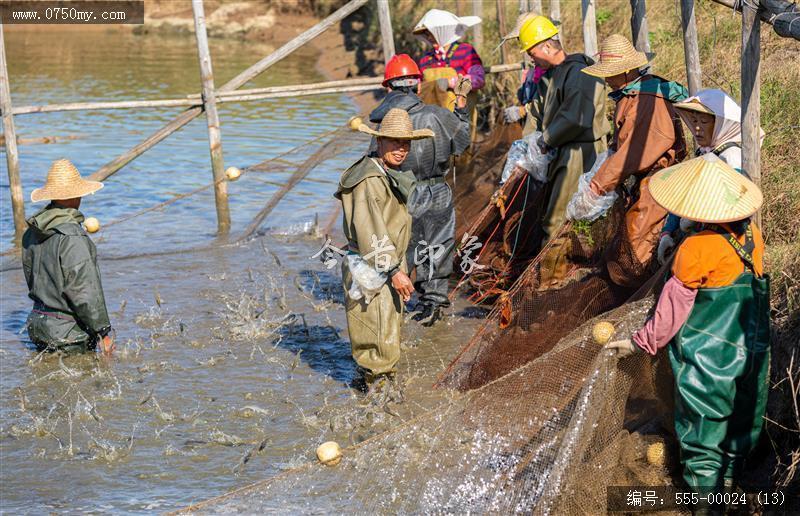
[(707, 259)]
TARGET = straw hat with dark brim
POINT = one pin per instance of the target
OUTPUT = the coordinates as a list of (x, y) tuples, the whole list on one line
[(705, 189), (617, 55), (397, 125), (693, 105), (64, 182)]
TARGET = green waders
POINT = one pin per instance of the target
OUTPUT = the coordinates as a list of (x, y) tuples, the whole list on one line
[(720, 358)]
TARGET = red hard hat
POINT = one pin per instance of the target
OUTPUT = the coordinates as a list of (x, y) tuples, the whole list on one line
[(401, 65)]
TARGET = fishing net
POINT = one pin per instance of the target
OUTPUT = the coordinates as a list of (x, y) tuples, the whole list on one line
[(546, 438)]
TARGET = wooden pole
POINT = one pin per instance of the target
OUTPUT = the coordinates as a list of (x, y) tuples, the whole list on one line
[(690, 49), (555, 12), (641, 38), (235, 83), (751, 96), (523, 8), (387, 36), (555, 16), (12, 156), (501, 23), (535, 6), (589, 28), (781, 14), (477, 30), (212, 119)]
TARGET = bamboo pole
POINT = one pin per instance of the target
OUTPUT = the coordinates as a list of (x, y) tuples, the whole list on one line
[(195, 99), (589, 28), (245, 95), (477, 30), (12, 155), (235, 83), (212, 119), (690, 49), (751, 96), (641, 38), (387, 36)]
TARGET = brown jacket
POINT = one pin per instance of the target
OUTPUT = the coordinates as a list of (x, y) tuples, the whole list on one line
[(647, 137)]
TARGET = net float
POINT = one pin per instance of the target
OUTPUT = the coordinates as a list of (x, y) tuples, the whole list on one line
[(355, 122), (233, 173), (329, 453), (656, 454), (92, 225), (602, 332)]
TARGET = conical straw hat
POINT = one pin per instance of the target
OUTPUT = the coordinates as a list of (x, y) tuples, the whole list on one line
[(693, 104), (64, 182), (705, 189), (397, 125), (617, 55)]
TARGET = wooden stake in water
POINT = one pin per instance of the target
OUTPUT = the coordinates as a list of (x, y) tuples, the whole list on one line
[(12, 157), (751, 95), (477, 30), (589, 28), (212, 117), (641, 39), (690, 49), (387, 36), (234, 84)]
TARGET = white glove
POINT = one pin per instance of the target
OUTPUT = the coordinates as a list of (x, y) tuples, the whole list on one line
[(665, 246), (623, 348), (513, 114)]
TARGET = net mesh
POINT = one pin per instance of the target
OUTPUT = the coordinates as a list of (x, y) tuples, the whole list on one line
[(546, 438)]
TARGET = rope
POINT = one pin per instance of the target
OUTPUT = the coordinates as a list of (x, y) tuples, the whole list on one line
[(481, 218)]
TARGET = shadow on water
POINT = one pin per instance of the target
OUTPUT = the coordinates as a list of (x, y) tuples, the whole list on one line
[(320, 347), (323, 285)]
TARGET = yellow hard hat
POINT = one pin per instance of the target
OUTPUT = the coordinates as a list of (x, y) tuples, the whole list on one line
[(534, 31)]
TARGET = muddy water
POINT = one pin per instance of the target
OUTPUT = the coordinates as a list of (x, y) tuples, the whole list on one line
[(232, 363)]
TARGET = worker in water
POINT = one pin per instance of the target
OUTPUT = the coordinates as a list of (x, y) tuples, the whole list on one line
[(449, 59), (648, 138), (569, 109), (375, 194), (527, 90), (714, 120), (434, 218), (60, 265), (714, 314)]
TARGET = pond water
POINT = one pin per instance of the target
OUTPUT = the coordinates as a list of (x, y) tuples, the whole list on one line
[(233, 362)]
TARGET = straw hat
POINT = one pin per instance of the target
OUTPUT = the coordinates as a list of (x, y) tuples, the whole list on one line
[(617, 55), (64, 182), (521, 19), (693, 104), (397, 125), (706, 189)]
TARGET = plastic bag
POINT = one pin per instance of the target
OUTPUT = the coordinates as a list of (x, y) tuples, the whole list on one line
[(525, 153), (367, 281), (585, 204)]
